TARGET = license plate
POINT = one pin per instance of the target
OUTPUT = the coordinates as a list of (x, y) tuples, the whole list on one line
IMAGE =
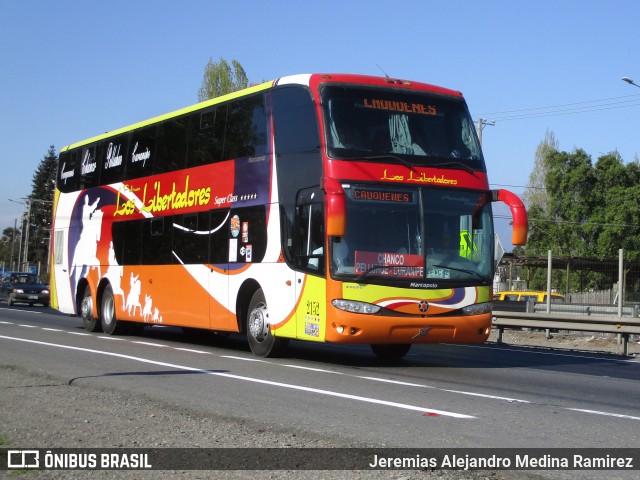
[(33, 297)]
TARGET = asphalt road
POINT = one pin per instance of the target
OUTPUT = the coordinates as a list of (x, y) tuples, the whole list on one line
[(438, 396)]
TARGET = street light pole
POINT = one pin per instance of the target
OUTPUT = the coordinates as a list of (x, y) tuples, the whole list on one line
[(27, 219), (481, 124), (630, 81)]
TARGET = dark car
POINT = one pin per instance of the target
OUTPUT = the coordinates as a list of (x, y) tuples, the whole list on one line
[(23, 287)]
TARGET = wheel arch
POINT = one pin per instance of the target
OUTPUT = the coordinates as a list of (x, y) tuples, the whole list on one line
[(246, 291), (82, 285)]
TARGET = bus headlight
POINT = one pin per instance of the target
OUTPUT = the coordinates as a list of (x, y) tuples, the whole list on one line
[(478, 308), (355, 306)]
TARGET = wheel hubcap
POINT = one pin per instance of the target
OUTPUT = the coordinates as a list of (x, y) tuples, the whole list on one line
[(259, 323), (108, 311), (86, 307)]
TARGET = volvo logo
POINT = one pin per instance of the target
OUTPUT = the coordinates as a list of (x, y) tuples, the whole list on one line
[(423, 306)]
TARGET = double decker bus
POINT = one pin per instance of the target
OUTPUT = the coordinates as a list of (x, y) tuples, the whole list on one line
[(325, 207)]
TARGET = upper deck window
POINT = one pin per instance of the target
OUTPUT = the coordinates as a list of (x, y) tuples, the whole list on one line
[(420, 128)]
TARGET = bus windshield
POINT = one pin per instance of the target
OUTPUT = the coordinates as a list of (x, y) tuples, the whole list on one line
[(412, 127), (396, 234)]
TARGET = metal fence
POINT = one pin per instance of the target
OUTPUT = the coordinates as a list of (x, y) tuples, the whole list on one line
[(599, 295), (582, 281)]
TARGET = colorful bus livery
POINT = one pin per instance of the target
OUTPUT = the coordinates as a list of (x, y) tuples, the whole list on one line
[(328, 208)]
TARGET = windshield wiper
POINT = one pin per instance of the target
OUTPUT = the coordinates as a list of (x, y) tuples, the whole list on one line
[(464, 166), (387, 156), (412, 166)]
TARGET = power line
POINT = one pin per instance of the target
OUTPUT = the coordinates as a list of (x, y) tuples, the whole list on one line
[(556, 110)]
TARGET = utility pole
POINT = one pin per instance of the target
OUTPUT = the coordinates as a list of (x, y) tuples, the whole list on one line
[(26, 235), (481, 124)]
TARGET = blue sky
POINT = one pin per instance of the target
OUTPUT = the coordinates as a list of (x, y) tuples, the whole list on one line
[(73, 69)]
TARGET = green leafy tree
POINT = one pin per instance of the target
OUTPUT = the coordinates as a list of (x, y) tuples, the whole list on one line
[(41, 199), (221, 78), (535, 195), (591, 210), (616, 211), (9, 247)]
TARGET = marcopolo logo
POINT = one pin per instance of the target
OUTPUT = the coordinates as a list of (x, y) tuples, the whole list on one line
[(23, 459)]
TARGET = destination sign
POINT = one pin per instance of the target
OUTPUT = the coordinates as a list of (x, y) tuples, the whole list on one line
[(390, 196)]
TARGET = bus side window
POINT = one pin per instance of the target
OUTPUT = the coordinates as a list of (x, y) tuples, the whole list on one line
[(112, 154), (172, 144), (248, 234), (68, 171), (206, 136), (219, 236), (89, 167), (142, 152), (297, 149), (191, 238), (309, 241), (156, 241), (246, 129), (127, 242)]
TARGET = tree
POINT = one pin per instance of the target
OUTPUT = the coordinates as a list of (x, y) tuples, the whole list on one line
[(9, 247), (591, 210), (536, 193), (41, 199), (220, 79)]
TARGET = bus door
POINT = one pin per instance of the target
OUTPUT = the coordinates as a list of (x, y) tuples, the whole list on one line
[(220, 315), (310, 248), (60, 290)]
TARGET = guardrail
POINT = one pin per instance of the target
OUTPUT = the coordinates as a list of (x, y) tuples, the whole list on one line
[(624, 326), (587, 309)]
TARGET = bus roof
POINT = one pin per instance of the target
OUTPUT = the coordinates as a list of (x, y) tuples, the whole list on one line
[(302, 79)]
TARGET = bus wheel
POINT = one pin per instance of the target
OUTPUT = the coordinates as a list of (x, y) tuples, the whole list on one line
[(262, 342), (391, 351), (91, 323), (108, 318)]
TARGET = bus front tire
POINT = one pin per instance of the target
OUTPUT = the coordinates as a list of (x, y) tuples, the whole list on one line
[(108, 320), (391, 351), (91, 323), (262, 342)]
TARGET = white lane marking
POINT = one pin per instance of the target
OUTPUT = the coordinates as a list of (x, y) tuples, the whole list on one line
[(246, 359), (106, 337), (15, 310), (191, 350), (330, 393), (395, 382), (6, 323), (150, 344), (473, 394), (484, 395), (81, 334), (27, 326), (321, 370), (607, 414), (52, 329)]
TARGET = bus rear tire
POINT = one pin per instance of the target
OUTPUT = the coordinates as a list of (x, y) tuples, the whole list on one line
[(391, 351), (108, 320), (262, 342), (91, 323)]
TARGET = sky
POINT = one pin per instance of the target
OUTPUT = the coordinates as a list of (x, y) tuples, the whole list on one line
[(72, 69)]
